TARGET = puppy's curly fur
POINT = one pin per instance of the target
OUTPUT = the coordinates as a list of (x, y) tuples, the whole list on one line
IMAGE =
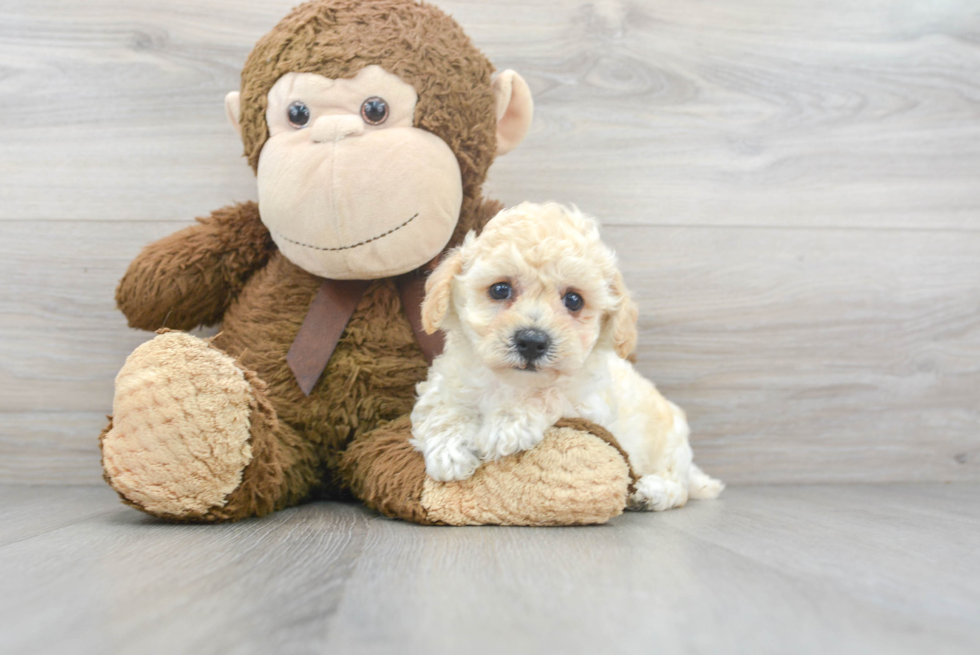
[(539, 324)]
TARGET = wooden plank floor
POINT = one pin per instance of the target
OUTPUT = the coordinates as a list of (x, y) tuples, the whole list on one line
[(792, 187), (791, 569)]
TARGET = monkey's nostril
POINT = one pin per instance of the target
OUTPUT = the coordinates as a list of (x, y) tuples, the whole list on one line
[(531, 344)]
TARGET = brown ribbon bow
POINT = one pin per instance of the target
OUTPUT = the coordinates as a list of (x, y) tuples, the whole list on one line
[(329, 314)]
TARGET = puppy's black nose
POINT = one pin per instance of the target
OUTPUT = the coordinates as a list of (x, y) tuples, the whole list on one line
[(531, 344)]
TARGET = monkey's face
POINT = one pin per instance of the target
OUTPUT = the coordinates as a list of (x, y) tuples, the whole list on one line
[(347, 186)]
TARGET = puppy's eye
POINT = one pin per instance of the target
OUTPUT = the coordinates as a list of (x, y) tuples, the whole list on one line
[(500, 291), (374, 111), (573, 301), (299, 114)]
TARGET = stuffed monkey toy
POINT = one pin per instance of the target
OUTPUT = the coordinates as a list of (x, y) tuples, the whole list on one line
[(370, 125)]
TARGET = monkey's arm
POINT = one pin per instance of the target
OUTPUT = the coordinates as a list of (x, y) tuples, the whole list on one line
[(190, 277)]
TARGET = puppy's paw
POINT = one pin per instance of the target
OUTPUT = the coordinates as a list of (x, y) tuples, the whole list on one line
[(451, 461), (504, 436), (654, 493)]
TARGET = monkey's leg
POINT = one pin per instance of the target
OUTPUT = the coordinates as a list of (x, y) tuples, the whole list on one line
[(577, 475), (193, 437)]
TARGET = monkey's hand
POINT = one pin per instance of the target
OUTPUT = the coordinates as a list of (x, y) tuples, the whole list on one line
[(190, 277)]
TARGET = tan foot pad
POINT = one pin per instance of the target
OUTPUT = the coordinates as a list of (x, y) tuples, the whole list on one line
[(570, 478), (179, 438)]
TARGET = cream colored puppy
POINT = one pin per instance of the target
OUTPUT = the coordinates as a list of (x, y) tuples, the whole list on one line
[(538, 326)]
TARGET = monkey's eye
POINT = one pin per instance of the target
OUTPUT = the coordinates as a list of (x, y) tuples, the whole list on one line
[(374, 111), (573, 301), (500, 291), (299, 114)]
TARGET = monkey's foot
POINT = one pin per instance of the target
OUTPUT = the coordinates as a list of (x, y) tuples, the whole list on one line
[(576, 475), (179, 438)]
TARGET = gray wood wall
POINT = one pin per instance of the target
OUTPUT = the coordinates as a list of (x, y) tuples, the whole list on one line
[(793, 187)]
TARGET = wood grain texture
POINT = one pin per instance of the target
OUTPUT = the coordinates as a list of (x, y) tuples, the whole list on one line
[(848, 569), (792, 188), (766, 112)]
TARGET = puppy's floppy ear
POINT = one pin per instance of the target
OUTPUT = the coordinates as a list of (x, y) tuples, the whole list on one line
[(623, 320), (438, 291)]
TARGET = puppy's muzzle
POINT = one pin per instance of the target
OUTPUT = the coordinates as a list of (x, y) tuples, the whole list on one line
[(531, 345)]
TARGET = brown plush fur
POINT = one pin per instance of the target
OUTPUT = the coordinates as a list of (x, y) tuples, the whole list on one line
[(584, 425), (386, 473), (227, 269), (190, 277)]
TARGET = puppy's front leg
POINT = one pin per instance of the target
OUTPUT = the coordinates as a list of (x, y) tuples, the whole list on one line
[(444, 433), (447, 446), (505, 432)]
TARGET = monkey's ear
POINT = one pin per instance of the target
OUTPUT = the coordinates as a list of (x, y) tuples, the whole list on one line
[(515, 109), (438, 291), (233, 107)]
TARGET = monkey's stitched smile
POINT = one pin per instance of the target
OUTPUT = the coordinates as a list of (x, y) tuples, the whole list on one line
[(353, 245)]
